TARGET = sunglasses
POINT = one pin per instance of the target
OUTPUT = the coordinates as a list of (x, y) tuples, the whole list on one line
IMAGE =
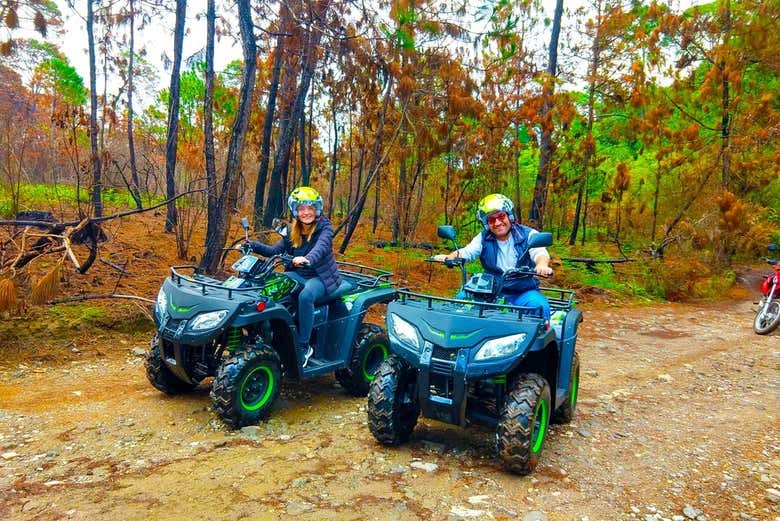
[(500, 216)]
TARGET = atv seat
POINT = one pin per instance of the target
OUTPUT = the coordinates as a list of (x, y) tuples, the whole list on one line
[(344, 288)]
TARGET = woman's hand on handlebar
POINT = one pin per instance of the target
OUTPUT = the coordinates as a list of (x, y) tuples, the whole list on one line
[(300, 261)]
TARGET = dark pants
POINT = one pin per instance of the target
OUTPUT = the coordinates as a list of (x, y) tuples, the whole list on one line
[(311, 292)]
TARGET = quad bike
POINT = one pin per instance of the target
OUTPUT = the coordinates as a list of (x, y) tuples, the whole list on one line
[(478, 360), (243, 332), (768, 315)]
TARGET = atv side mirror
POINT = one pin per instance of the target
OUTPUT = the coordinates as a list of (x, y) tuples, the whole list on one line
[(540, 239), (772, 247), (446, 232), (280, 227)]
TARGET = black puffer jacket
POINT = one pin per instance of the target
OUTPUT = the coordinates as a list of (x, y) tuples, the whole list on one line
[(318, 251)]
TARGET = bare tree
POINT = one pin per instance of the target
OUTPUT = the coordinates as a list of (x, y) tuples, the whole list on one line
[(173, 117)]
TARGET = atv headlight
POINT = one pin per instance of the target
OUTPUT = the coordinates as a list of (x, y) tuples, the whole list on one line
[(405, 331), (208, 320), (498, 347), (162, 300)]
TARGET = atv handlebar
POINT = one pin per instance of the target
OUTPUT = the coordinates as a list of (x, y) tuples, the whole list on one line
[(450, 263)]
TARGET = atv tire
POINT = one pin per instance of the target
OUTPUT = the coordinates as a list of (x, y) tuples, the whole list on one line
[(523, 424), (766, 322), (160, 376), (565, 412), (370, 349), (392, 405), (246, 385)]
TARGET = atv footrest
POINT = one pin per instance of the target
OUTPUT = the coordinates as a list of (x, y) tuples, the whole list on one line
[(441, 399)]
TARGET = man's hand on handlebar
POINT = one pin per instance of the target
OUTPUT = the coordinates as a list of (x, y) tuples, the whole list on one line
[(245, 248)]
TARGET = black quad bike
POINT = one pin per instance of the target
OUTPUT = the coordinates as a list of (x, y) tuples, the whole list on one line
[(243, 332), (478, 360)]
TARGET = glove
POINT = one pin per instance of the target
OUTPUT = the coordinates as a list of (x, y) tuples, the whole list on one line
[(245, 248)]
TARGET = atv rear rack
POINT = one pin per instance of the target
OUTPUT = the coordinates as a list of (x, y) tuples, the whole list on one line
[(364, 276), (559, 299)]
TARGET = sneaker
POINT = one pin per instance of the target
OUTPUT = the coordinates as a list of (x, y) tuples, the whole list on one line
[(309, 353)]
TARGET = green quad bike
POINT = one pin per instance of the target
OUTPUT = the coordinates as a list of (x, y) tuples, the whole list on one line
[(243, 332), (479, 361)]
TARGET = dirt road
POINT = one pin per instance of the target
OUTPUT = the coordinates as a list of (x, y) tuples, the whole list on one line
[(678, 419)]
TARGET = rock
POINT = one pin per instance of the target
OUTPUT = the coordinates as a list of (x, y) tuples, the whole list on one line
[(665, 378), (690, 512), (250, 431), (466, 513), (299, 507), (432, 446), (535, 515), (9, 455), (427, 467), (773, 495)]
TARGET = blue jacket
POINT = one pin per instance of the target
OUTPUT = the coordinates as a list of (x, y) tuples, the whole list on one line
[(489, 255), (319, 251)]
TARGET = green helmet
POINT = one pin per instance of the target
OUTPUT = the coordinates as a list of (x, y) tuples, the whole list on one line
[(304, 195), (494, 203)]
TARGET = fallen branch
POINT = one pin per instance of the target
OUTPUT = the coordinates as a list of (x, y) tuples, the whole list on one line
[(590, 264), (118, 268), (81, 298)]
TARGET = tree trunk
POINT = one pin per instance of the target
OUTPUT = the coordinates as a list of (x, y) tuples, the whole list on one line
[(136, 188), (171, 218), (268, 126), (302, 146), (97, 200), (352, 219), (334, 159), (208, 119), (216, 235), (546, 148), (287, 130)]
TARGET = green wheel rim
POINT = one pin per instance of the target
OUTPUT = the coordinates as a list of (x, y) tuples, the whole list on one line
[(256, 388), (541, 415), (371, 354)]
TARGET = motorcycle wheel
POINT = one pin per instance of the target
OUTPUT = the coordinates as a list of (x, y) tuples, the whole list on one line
[(768, 317)]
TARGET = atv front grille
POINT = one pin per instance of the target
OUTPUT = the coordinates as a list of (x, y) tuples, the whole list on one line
[(170, 329), (442, 353), (442, 367)]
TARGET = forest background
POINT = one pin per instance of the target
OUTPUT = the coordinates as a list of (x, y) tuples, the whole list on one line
[(634, 131)]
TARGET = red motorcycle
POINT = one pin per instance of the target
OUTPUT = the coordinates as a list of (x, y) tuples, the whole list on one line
[(768, 316)]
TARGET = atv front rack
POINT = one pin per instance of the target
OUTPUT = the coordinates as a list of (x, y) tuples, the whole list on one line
[(364, 276), (479, 308), (559, 299), (206, 282)]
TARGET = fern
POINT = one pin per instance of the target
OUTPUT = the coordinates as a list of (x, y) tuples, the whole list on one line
[(47, 286), (7, 295)]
